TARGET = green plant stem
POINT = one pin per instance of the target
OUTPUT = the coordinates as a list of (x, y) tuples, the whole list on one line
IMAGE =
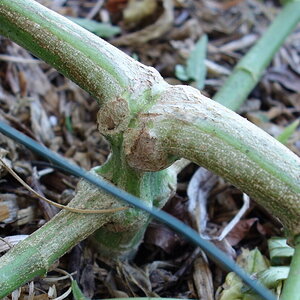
[(196, 128), (121, 232), (249, 70), (121, 237), (291, 285), (34, 256), (95, 65), (150, 124)]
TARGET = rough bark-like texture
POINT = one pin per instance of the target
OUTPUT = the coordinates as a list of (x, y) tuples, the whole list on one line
[(34, 255), (150, 124), (184, 123), (163, 122), (101, 69)]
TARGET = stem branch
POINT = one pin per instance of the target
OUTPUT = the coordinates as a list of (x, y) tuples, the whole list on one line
[(192, 126), (248, 71), (95, 65)]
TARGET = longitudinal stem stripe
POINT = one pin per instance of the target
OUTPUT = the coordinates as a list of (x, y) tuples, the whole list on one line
[(248, 71), (291, 285), (194, 127), (77, 53), (174, 223), (129, 93)]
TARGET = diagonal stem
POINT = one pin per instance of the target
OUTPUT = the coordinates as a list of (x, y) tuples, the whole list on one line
[(250, 68), (34, 256), (192, 126), (98, 67)]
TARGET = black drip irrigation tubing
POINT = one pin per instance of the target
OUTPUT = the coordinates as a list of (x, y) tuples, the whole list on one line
[(211, 250)]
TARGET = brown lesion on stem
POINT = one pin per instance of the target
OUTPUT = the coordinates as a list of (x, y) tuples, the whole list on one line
[(113, 117), (143, 150), (186, 124)]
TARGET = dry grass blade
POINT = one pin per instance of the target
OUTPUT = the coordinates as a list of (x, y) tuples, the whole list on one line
[(10, 241), (23, 60)]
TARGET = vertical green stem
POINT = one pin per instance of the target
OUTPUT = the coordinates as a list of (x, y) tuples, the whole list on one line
[(248, 71), (291, 289), (98, 67)]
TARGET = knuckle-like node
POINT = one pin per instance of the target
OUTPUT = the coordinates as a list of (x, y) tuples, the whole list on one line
[(144, 151), (113, 117)]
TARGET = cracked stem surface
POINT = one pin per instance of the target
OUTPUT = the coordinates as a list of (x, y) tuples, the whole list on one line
[(192, 126)]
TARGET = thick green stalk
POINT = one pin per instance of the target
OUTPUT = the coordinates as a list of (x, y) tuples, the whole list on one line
[(291, 285), (119, 239), (121, 231), (149, 124), (248, 71), (33, 256), (101, 69), (246, 75), (186, 124)]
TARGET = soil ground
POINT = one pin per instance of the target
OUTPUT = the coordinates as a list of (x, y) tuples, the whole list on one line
[(41, 103)]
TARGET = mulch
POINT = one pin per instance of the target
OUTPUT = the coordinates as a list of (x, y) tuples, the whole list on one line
[(40, 102)]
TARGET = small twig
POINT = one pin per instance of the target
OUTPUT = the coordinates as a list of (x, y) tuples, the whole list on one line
[(72, 209), (236, 219), (22, 60), (6, 242), (95, 9)]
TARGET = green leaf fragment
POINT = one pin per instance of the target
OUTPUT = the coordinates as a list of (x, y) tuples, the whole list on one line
[(101, 29), (77, 293), (280, 252), (288, 132), (68, 123), (180, 73), (273, 275), (196, 69), (252, 261), (233, 288)]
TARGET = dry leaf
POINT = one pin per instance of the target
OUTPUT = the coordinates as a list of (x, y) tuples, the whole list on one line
[(153, 31)]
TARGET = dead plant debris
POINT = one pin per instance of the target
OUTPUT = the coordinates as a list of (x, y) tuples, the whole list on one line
[(40, 102)]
